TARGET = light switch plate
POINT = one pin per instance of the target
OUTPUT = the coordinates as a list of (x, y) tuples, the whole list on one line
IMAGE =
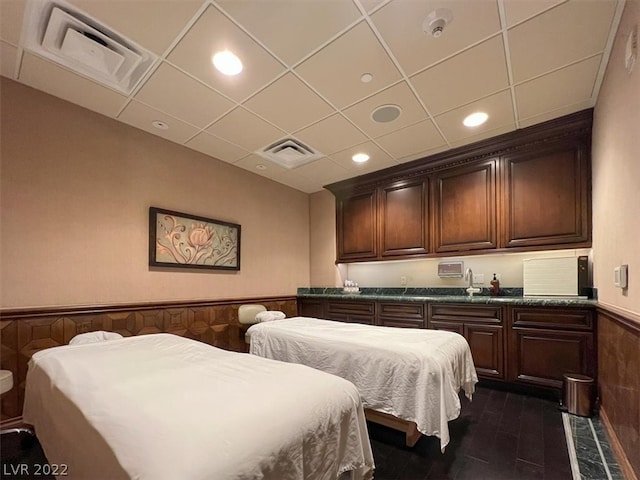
[(620, 274)]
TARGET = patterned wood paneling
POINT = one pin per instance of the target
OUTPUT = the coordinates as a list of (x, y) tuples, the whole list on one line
[(23, 334)]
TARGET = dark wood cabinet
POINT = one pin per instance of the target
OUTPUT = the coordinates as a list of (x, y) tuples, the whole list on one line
[(545, 343), (483, 328), (351, 311), (395, 314), (546, 196), (527, 190), (404, 227), (464, 203), (357, 226), (529, 346)]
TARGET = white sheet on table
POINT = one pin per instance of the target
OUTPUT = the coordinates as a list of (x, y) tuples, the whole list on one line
[(164, 407), (414, 374)]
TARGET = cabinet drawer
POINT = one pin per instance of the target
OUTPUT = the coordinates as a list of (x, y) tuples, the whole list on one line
[(310, 308), (399, 322), (448, 312), (351, 308), (549, 317), (414, 311)]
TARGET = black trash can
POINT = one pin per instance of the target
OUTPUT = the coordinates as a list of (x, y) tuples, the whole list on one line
[(577, 396)]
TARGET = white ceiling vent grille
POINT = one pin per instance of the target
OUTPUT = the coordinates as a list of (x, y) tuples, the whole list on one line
[(289, 153), (65, 35)]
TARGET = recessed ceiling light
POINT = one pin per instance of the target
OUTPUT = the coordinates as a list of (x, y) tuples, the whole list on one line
[(475, 119), (261, 166), (227, 63), (386, 113), (360, 157), (366, 78), (160, 125)]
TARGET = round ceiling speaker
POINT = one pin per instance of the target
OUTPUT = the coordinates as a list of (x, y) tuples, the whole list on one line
[(386, 113)]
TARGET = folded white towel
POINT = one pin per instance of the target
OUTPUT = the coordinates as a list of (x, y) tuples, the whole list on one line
[(94, 337), (269, 316)]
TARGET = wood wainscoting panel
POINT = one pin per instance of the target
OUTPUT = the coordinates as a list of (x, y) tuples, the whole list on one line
[(9, 361), (619, 379), (23, 333)]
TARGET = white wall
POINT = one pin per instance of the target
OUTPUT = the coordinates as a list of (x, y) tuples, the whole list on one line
[(616, 173), (75, 191)]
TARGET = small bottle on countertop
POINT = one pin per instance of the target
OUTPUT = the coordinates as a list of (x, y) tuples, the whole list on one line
[(495, 286)]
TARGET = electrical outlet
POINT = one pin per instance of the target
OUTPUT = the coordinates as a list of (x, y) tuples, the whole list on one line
[(478, 278), (403, 280)]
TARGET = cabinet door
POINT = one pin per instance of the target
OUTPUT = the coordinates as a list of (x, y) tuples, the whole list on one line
[(486, 343), (464, 205), (546, 197), (455, 327), (356, 227), (403, 219), (542, 356)]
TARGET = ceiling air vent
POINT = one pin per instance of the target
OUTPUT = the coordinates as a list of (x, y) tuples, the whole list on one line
[(67, 36), (289, 153)]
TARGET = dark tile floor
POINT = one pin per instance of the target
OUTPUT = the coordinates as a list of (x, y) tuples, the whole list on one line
[(498, 435)]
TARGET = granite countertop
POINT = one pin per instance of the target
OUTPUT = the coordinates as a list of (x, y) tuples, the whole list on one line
[(508, 296)]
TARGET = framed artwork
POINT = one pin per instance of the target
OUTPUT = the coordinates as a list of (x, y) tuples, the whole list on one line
[(189, 241)]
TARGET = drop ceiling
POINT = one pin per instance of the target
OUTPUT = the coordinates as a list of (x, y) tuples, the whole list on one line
[(521, 61)]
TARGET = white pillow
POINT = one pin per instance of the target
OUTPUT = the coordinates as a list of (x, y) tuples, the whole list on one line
[(270, 316), (94, 337)]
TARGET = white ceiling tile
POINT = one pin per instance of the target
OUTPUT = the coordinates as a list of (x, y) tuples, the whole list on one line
[(334, 133), (289, 104), (11, 14), (518, 10), (294, 180), (8, 56), (335, 71), (563, 87), (245, 130), (499, 108), (370, 5), (378, 158), (57, 81), (213, 32), (324, 170), (216, 147), (151, 24), (141, 116), (484, 135), (414, 139), (400, 95), (426, 153), (559, 112), (254, 163), (275, 24), (179, 95), (562, 35), (473, 74), (400, 23)]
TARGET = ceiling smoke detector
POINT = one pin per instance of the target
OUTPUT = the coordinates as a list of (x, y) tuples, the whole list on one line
[(436, 21)]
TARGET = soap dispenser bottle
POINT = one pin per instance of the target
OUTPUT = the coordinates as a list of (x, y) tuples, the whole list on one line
[(495, 286)]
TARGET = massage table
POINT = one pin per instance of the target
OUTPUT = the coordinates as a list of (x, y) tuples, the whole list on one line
[(409, 379), (163, 407)]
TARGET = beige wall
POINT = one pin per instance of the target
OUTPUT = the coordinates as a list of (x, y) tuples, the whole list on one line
[(322, 233), (616, 173), (75, 192)]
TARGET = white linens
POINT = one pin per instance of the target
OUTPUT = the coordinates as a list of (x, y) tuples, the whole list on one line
[(413, 374), (158, 407), (270, 316)]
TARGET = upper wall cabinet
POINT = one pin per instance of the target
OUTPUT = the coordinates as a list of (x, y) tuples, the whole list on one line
[(525, 190), (464, 203), (546, 196), (357, 226), (404, 226)]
